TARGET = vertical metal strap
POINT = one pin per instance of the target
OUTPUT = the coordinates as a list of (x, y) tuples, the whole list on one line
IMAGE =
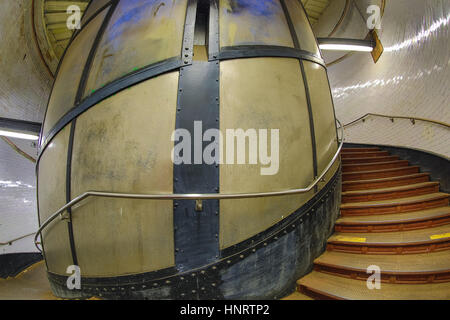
[(93, 51), (305, 82), (78, 98), (196, 224), (213, 30), (189, 29), (68, 191)]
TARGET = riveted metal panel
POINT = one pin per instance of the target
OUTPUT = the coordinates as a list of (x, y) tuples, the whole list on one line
[(322, 113), (264, 267), (250, 22), (52, 196), (140, 33), (197, 232), (66, 84), (267, 93), (123, 145)]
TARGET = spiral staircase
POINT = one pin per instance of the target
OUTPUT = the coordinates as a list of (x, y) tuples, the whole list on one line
[(392, 217)]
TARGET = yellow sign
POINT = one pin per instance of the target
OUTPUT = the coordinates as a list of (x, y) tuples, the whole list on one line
[(440, 236), (350, 239)]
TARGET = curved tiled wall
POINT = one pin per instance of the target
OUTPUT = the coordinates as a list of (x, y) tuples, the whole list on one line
[(410, 79)]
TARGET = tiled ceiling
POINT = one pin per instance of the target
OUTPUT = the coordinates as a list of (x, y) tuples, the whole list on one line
[(55, 16), (315, 8)]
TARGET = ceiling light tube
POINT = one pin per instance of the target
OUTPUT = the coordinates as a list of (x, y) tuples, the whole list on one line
[(339, 44), (18, 135)]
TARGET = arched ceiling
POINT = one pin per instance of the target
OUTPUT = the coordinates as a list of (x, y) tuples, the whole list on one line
[(58, 35), (55, 17), (315, 8)]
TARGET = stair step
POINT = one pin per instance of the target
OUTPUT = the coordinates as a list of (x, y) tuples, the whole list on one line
[(395, 222), (297, 296), (325, 286), (348, 155), (426, 201), (390, 193), (413, 268), (374, 166), (379, 174), (369, 160), (385, 182), (373, 149), (403, 242)]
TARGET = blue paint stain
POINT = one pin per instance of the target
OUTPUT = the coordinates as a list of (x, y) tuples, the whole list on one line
[(132, 12), (264, 8)]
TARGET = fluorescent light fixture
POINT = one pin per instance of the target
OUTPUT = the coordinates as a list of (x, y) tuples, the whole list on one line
[(340, 44), (345, 47), (18, 135)]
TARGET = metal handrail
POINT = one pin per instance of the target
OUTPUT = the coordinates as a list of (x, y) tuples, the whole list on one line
[(211, 196), (397, 117), (16, 239)]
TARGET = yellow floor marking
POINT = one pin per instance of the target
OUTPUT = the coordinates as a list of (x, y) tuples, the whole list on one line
[(440, 236), (350, 239)]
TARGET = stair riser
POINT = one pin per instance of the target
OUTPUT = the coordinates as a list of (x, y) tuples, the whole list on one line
[(351, 155), (390, 195), (352, 176), (316, 294), (435, 203), (374, 166), (410, 278), (369, 160), (355, 186), (389, 249), (351, 150), (393, 227)]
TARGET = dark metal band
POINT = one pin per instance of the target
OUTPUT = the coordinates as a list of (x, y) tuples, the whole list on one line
[(196, 226), (307, 93), (69, 191), (253, 51)]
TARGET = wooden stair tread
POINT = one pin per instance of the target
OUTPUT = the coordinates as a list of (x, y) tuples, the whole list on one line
[(370, 160), (344, 288), (361, 149), (351, 165), (391, 189), (408, 176), (396, 217), (379, 171), (400, 201), (411, 263), (366, 153), (297, 296), (390, 238)]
